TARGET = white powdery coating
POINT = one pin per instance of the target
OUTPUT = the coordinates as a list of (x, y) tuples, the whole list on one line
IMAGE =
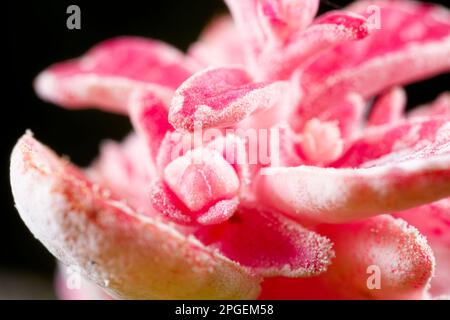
[(201, 176), (402, 260), (303, 49), (313, 242), (402, 256), (132, 255), (338, 195), (412, 62), (412, 146), (90, 89), (261, 99)]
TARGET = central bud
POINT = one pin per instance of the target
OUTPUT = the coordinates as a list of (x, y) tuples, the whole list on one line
[(200, 178), (321, 141)]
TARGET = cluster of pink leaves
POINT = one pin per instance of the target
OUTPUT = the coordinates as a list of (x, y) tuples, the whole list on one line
[(348, 191)]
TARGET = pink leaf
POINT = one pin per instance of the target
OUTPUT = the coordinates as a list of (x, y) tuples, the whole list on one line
[(380, 248), (348, 110), (433, 221), (221, 97), (107, 74), (413, 43), (420, 138), (219, 212), (411, 168), (265, 22), (328, 31), (149, 115), (167, 203), (269, 244), (389, 108), (281, 18), (338, 195), (130, 255)]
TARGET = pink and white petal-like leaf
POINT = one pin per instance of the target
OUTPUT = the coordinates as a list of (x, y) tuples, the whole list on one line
[(221, 97), (282, 18), (164, 201), (245, 16), (265, 23), (125, 164), (218, 44), (107, 74), (433, 221), (328, 31), (339, 195), (379, 247), (281, 111), (269, 243), (389, 108), (413, 43), (149, 116), (349, 113), (410, 169), (128, 254), (221, 211), (378, 258), (420, 138), (438, 108)]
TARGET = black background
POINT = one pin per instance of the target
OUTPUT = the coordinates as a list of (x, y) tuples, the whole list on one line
[(36, 37)]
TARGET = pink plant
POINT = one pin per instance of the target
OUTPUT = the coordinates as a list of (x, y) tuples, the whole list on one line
[(149, 219)]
